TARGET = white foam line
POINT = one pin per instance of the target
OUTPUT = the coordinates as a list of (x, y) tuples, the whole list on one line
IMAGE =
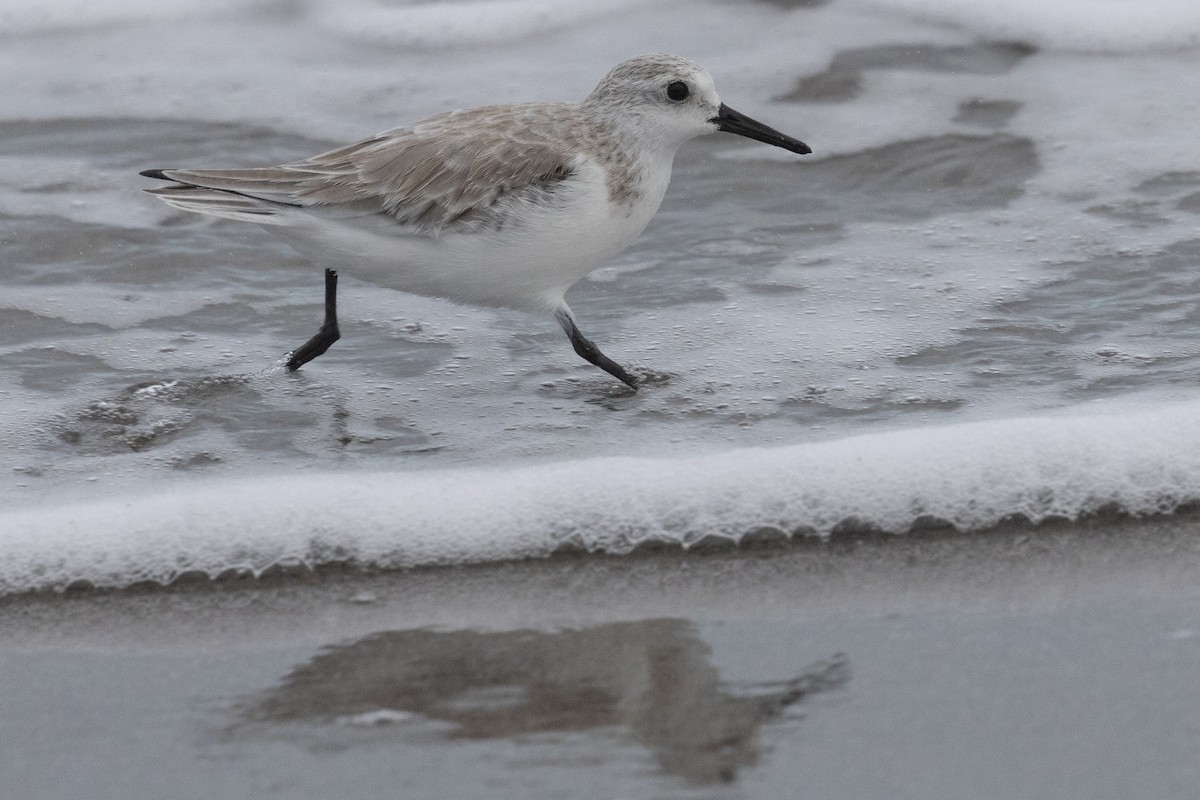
[(22, 17), (463, 23), (1116, 26), (972, 475)]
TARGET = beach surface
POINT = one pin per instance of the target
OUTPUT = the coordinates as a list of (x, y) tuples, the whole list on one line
[(1057, 661)]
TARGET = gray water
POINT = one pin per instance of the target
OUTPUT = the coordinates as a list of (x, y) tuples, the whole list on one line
[(930, 278)]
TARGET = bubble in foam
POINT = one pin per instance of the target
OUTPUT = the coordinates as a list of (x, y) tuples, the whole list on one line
[(970, 476)]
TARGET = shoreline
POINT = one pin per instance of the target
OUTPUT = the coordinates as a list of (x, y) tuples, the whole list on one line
[(1096, 557), (923, 666)]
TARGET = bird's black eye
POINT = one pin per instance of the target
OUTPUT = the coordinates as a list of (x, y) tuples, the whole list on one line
[(678, 91)]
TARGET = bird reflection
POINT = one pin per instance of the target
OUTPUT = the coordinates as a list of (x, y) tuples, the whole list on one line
[(653, 677)]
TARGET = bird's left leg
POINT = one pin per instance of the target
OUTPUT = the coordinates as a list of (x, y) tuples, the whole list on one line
[(588, 350), (325, 337)]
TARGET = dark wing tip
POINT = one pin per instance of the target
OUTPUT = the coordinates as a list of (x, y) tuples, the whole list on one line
[(155, 173)]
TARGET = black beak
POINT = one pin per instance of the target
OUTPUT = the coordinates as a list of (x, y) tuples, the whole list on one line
[(731, 121)]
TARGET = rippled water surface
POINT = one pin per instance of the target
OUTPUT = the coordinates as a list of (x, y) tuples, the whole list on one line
[(992, 225)]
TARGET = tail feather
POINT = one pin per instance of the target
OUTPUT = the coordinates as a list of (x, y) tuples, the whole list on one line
[(251, 195), (278, 184), (219, 203)]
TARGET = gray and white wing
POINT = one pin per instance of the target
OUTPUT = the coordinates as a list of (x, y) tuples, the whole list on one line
[(452, 171)]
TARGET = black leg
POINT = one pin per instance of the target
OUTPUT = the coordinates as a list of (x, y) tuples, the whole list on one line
[(329, 329), (588, 351)]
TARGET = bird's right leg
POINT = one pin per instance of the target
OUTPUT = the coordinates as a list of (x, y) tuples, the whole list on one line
[(325, 337), (588, 350)]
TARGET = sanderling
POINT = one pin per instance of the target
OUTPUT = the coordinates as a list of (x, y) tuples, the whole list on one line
[(503, 206)]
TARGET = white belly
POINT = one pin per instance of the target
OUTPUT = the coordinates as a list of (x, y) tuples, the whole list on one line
[(527, 264)]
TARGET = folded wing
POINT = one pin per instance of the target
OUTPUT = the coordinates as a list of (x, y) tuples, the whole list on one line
[(451, 171)]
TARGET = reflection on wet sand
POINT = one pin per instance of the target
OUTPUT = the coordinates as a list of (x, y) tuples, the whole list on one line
[(653, 677)]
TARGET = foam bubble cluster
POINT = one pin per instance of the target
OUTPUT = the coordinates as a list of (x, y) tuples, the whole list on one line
[(971, 475), (1111, 26)]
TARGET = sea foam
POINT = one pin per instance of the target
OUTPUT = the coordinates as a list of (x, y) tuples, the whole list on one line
[(971, 475), (1108, 26)]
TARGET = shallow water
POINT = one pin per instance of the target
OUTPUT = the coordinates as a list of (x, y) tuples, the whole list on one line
[(999, 221)]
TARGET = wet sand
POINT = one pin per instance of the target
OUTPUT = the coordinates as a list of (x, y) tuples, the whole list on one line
[(1051, 662)]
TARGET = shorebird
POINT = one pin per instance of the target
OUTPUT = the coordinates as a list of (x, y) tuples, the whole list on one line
[(502, 206)]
